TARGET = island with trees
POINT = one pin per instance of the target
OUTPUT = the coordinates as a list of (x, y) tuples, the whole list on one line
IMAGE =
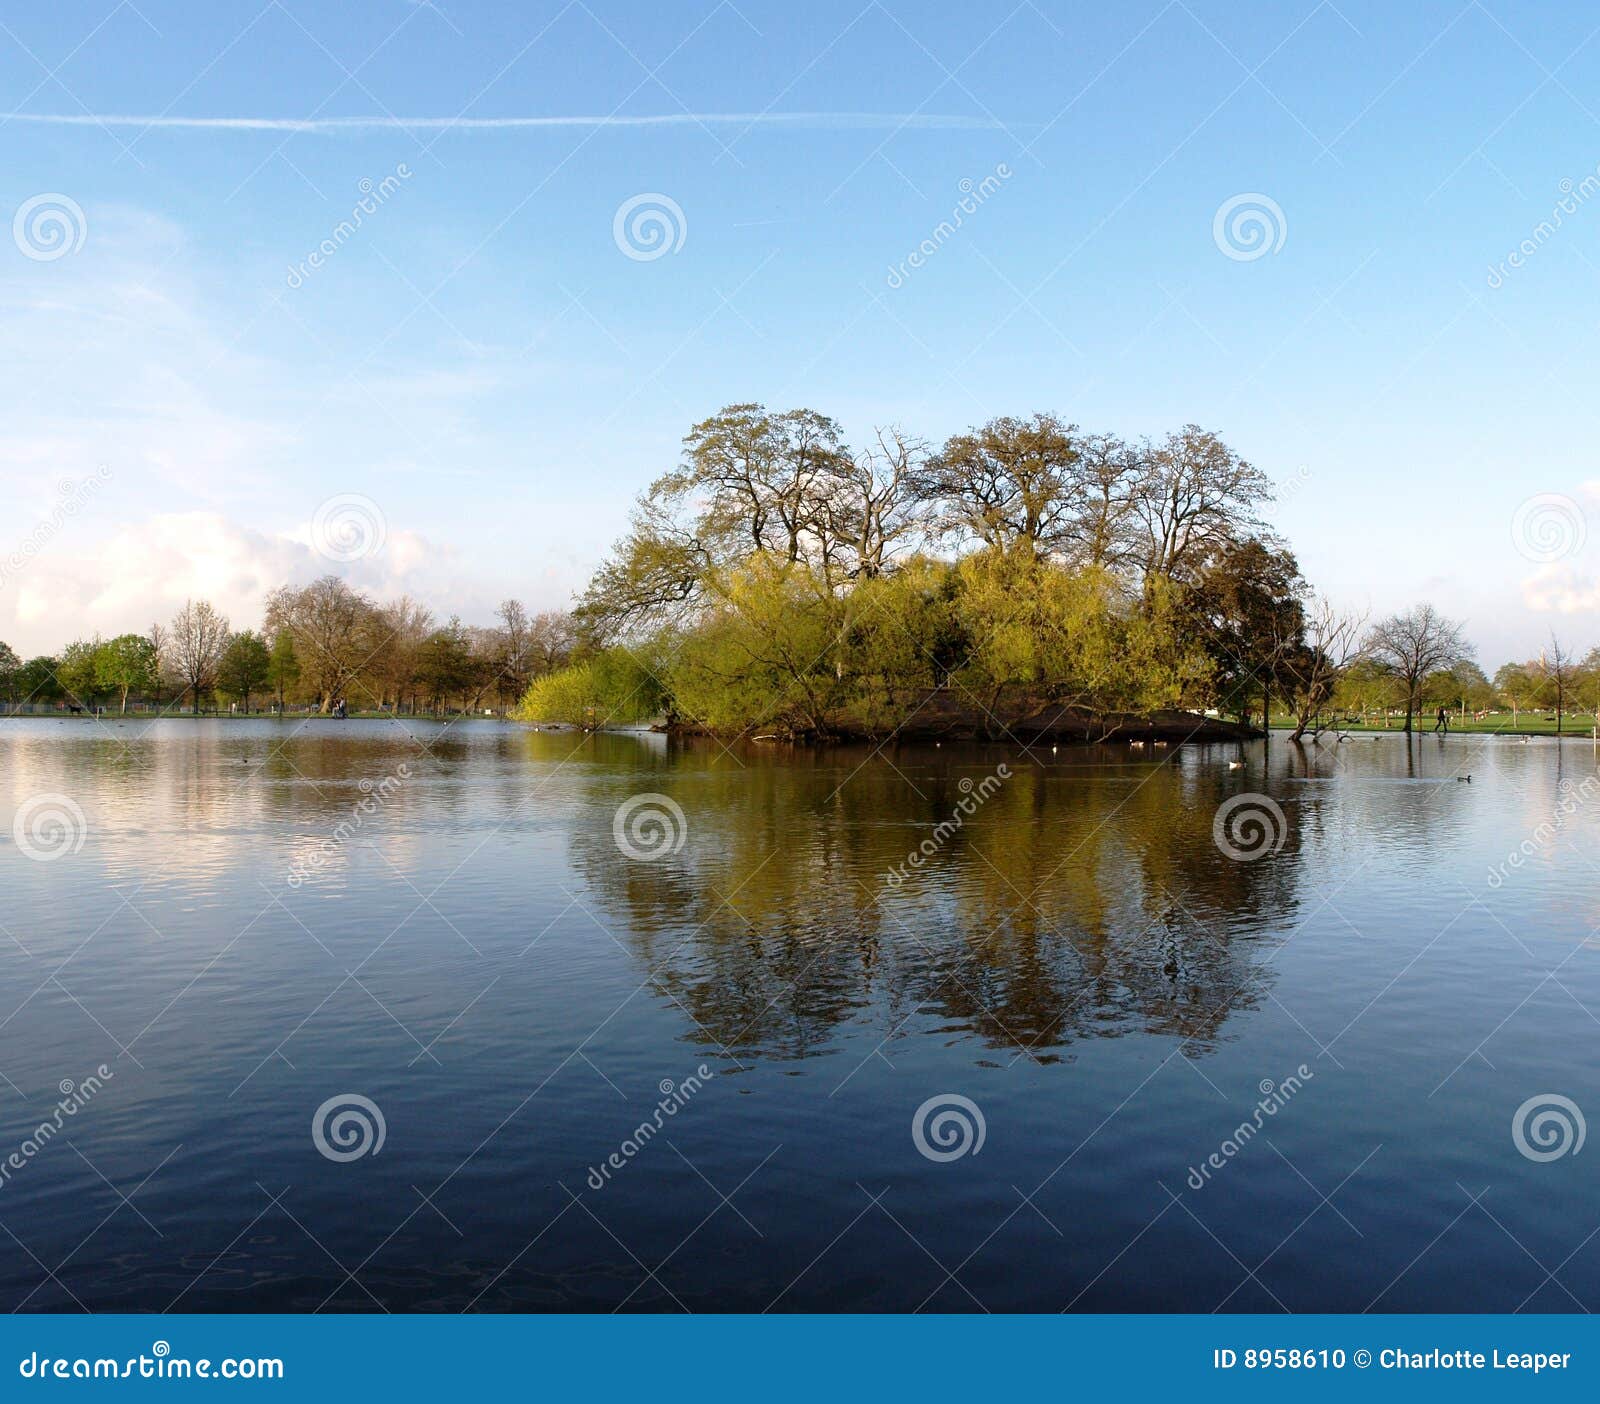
[(1024, 580)]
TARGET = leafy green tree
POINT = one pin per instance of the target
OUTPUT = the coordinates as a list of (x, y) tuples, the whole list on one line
[(283, 668), (1514, 683), (764, 654), (245, 667), (615, 687), (10, 673), (1248, 611), (126, 664), (445, 664), (38, 681), (79, 671)]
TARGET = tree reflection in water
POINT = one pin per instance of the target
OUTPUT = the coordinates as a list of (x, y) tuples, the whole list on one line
[(1084, 898)]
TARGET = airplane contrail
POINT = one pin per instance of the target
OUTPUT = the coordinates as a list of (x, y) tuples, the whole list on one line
[(820, 121)]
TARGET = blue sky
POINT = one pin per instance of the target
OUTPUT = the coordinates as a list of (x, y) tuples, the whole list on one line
[(484, 362)]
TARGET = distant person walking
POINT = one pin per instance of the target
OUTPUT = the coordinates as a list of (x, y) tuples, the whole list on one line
[(1443, 723)]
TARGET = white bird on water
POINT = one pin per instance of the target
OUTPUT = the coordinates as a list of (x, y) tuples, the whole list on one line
[(1235, 765)]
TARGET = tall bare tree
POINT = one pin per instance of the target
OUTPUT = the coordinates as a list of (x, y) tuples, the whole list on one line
[(1312, 670), (1413, 644), (1193, 495), (869, 509), (199, 639), (1559, 669)]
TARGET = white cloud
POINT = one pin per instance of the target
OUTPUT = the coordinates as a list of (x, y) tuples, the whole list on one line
[(144, 571), (1561, 588)]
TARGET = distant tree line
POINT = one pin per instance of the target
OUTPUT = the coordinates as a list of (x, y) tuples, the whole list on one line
[(318, 644)]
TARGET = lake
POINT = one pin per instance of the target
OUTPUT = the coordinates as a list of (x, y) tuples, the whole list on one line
[(368, 1015)]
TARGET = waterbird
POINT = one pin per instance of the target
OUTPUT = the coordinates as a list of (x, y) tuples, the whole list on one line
[(1235, 765), (1463, 779)]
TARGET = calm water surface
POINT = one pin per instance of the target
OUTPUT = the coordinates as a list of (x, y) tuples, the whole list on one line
[(264, 916)]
